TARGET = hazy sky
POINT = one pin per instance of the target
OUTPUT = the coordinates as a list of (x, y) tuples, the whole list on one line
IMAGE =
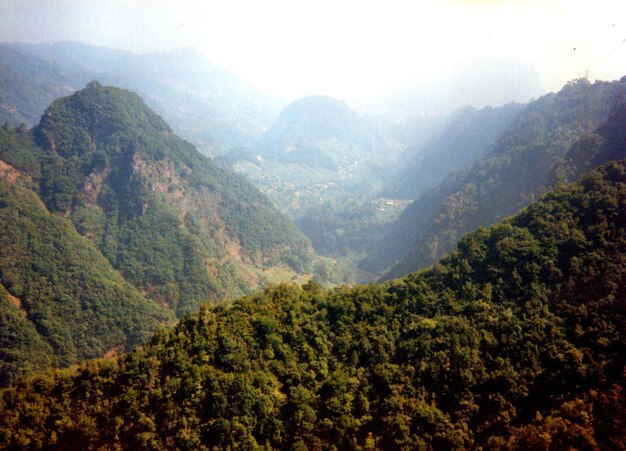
[(348, 49)]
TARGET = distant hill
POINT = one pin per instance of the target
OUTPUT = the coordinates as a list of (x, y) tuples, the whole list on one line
[(29, 84), (158, 221), (305, 129), (515, 171), (514, 341), (318, 150), (207, 105), (465, 135)]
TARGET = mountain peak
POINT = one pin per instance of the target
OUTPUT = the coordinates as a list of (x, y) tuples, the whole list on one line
[(313, 118), (93, 115), (319, 105)]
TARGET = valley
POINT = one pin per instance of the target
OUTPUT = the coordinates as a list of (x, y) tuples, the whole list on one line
[(430, 254)]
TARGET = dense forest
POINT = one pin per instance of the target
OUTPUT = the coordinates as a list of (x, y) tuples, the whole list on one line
[(519, 167), (154, 298), (514, 340), (113, 225), (347, 227), (60, 300)]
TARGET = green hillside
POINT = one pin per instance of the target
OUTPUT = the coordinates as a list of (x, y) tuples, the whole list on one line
[(60, 300), (520, 166), (516, 340), (176, 226), (112, 225)]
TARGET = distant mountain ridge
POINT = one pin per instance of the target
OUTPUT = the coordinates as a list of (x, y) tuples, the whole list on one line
[(465, 135), (29, 84), (205, 104)]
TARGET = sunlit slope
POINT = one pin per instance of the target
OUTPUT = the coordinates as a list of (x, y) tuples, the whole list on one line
[(516, 340), (60, 300)]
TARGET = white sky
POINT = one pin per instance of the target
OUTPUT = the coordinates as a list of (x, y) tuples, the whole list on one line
[(347, 49)]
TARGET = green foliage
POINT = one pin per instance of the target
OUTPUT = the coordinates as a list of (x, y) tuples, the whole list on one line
[(167, 218), (348, 227), (18, 148), (22, 349), (68, 304), (607, 143), (515, 340)]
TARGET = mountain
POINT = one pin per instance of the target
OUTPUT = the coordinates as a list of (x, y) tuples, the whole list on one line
[(514, 341), (112, 224), (176, 225), (306, 126), (28, 85), (318, 150), (465, 135), (515, 171), (61, 301), (207, 105)]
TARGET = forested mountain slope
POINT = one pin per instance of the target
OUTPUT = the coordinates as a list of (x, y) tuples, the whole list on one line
[(61, 302), (176, 225), (519, 166), (205, 104), (163, 230), (515, 340)]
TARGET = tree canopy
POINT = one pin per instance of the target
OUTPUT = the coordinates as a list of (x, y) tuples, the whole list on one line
[(515, 340)]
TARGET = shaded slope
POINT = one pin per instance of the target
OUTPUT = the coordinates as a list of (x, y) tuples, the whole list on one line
[(499, 184), (516, 340), (22, 349), (466, 135), (28, 85)]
